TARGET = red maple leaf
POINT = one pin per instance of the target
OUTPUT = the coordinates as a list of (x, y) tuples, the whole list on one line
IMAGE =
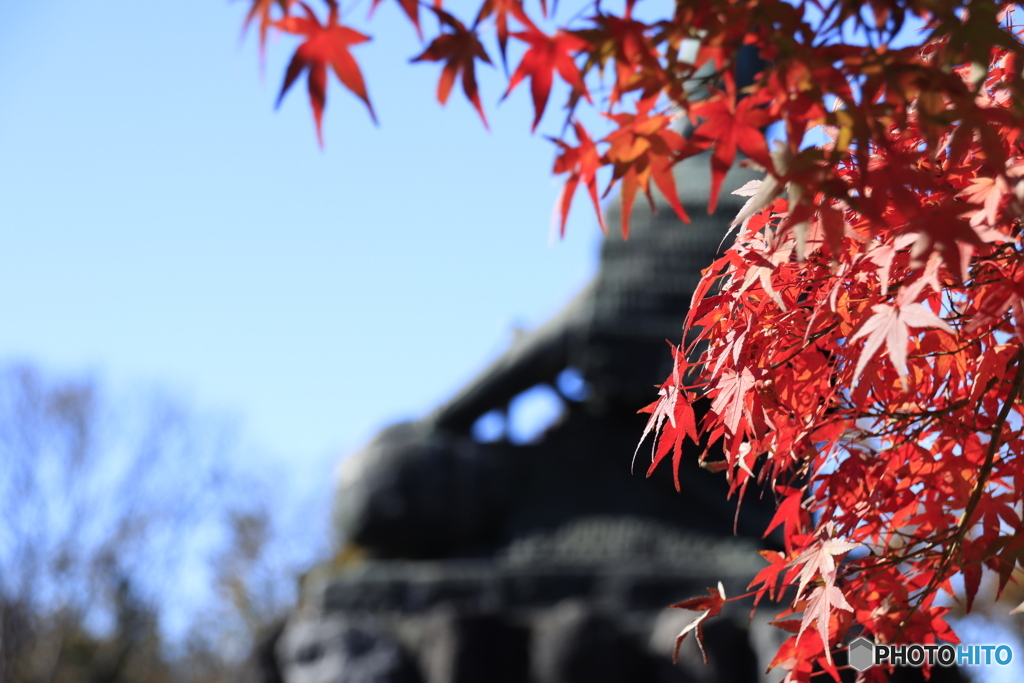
[(711, 606), (729, 126), (768, 577), (665, 407), (942, 230), (637, 64), (819, 609), (989, 193), (790, 513), (1004, 294), (546, 55), (644, 148), (770, 251), (581, 163), (795, 655), (501, 9), (674, 406), (889, 324), (730, 402), (326, 45), (459, 49), (884, 254), (817, 561), (262, 9)]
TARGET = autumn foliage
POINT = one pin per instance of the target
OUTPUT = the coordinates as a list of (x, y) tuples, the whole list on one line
[(860, 346)]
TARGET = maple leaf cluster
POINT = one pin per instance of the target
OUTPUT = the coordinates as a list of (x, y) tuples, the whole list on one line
[(859, 350)]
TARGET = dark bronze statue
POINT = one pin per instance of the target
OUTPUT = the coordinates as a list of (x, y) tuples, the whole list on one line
[(548, 561), (427, 489)]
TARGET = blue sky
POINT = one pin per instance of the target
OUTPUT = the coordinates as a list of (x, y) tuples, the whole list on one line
[(161, 223)]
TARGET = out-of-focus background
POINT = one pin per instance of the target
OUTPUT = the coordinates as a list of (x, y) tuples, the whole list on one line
[(202, 312)]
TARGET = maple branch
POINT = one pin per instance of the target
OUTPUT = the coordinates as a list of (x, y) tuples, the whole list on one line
[(897, 560), (976, 493), (810, 340), (993, 446), (940, 412), (954, 352)]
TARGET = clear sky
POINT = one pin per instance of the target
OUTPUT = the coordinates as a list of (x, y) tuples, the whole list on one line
[(161, 223)]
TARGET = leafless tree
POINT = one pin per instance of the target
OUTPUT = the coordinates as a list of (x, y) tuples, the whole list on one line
[(107, 508)]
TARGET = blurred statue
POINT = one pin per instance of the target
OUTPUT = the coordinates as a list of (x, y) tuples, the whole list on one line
[(428, 489), (548, 561)]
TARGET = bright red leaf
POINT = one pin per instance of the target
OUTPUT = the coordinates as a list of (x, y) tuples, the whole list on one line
[(642, 149), (820, 604), (989, 193), (458, 49), (546, 55), (581, 163), (263, 10), (729, 126), (711, 606), (890, 325), (501, 10), (327, 45)]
